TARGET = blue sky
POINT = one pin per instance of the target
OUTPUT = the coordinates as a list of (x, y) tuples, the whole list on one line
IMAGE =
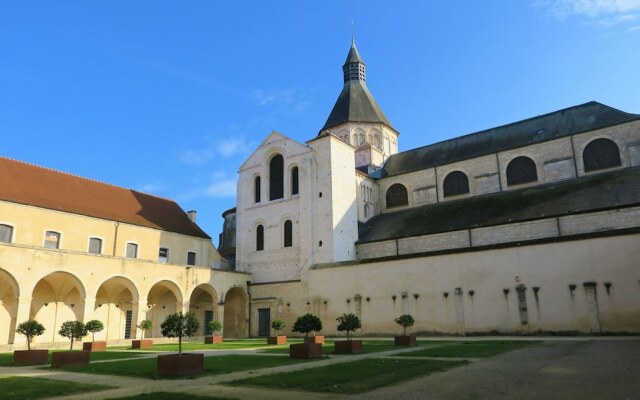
[(170, 97)]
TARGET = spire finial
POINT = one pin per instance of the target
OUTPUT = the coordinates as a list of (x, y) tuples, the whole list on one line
[(353, 32)]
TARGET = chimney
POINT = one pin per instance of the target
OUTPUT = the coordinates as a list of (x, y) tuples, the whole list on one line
[(192, 215)]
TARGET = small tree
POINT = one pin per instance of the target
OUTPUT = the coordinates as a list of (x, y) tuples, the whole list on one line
[(405, 321), (307, 323), (348, 322), (278, 325), (94, 326), (180, 325), (30, 329), (214, 326), (72, 330), (144, 326)]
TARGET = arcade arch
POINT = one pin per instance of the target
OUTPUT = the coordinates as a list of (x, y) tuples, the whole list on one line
[(9, 293), (235, 314), (115, 304), (203, 303), (164, 298)]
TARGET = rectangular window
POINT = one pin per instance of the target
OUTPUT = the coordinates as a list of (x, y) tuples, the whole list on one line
[(132, 250), (95, 246), (208, 317), (191, 258), (163, 255), (6, 233), (127, 324), (51, 240)]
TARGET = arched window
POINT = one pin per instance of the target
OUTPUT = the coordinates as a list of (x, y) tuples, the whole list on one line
[(601, 154), (455, 183), (260, 238), (397, 196), (366, 211), (6, 233), (256, 189), (294, 181), (276, 178), (521, 170), (288, 233)]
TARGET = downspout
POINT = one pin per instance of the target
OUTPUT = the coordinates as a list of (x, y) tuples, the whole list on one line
[(115, 238), (249, 295)]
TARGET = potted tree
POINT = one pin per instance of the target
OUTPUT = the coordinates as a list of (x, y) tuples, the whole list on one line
[(94, 326), (277, 326), (143, 343), (30, 329), (348, 323), (309, 349), (405, 321), (214, 326), (72, 330), (179, 325)]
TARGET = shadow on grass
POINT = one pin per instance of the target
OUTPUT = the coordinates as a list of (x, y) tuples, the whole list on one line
[(25, 388), (6, 359), (169, 396)]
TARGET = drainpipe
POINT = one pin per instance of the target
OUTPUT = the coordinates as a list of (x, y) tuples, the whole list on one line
[(115, 238), (249, 295)]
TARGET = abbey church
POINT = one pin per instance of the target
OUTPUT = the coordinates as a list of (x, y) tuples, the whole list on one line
[(526, 228)]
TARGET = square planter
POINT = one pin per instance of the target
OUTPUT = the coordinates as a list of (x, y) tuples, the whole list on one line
[(348, 346), (305, 350), (180, 364), (94, 346), (30, 357), (277, 340), (314, 339), (141, 344), (66, 358), (212, 339), (406, 340)]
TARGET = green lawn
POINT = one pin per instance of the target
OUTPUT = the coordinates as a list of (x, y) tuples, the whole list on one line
[(146, 367), (6, 359), (23, 388), (370, 346), (226, 345), (475, 349), (169, 396), (351, 377)]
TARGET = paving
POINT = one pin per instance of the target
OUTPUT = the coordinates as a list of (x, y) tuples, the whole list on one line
[(563, 369)]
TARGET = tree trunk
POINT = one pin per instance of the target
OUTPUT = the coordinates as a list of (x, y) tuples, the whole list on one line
[(28, 343), (71, 348), (180, 345)]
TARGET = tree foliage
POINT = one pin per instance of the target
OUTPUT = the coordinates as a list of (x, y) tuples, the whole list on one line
[(307, 323), (94, 326), (278, 325), (405, 321), (348, 322), (30, 329), (72, 330), (144, 326), (180, 325), (214, 326)]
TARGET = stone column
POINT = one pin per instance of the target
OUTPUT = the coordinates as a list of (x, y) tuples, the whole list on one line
[(22, 315)]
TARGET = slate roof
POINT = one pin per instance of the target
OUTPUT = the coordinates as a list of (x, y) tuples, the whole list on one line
[(595, 192), (355, 104), (42, 187), (566, 122)]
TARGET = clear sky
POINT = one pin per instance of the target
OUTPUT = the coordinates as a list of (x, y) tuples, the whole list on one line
[(170, 97)]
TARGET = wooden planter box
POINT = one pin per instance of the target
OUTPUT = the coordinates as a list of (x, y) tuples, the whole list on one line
[(65, 358), (314, 339), (212, 339), (94, 346), (180, 365), (305, 350), (406, 340), (277, 340), (30, 357), (348, 346), (141, 344)]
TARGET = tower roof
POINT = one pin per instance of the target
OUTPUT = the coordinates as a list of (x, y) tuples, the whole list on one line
[(353, 56)]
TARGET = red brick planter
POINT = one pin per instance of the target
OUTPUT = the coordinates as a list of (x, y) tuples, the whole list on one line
[(65, 358), (212, 339), (141, 344), (314, 339), (180, 364), (277, 340), (305, 350), (348, 346), (30, 357), (406, 340), (94, 346)]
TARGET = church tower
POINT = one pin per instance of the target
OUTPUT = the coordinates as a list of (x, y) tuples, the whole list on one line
[(356, 117)]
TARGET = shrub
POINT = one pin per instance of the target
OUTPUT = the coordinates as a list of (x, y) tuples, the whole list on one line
[(30, 329), (72, 330), (94, 326), (144, 326), (180, 325), (405, 321), (307, 323), (214, 326), (278, 325), (349, 323)]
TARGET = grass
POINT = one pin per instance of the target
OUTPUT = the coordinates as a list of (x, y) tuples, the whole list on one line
[(169, 396), (24, 388), (146, 367), (475, 349), (226, 345), (370, 346), (351, 377), (6, 359)]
